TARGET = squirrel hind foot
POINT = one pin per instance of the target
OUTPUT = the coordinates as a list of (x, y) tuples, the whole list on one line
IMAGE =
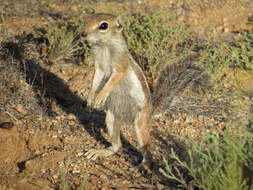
[(93, 154)]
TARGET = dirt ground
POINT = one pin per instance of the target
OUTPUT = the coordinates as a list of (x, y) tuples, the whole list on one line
[(45, 126)]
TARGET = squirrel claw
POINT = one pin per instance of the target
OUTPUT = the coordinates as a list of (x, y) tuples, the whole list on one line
[(99, 100)]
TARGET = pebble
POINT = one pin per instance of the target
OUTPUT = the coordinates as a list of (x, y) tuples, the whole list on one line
[(79, 154), (71, 116), (76, 171), (55, 176), (20, 108)]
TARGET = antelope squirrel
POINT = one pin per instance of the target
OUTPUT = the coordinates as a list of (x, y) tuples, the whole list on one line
[(119, 84)]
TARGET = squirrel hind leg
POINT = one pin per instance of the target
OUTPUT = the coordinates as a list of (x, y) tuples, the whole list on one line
[(142, 130), (113, 129)]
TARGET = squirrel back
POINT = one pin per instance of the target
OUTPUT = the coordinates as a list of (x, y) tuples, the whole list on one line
[(178, 78)]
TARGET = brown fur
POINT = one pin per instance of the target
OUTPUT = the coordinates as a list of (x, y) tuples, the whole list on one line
[(115, 78)]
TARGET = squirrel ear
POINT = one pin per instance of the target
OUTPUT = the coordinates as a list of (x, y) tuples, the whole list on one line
[(119, 21), (120, 28)]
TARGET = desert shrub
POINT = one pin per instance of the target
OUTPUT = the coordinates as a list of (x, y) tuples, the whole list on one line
[(217, 163), (154, 38), (65, 41), (230, 62)]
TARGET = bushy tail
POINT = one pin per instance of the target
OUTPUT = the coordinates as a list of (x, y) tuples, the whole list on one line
[(177, 79)]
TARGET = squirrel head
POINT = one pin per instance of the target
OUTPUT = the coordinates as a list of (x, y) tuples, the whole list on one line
[(102, 28)]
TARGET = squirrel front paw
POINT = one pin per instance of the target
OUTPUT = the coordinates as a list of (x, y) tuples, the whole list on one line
[(100, 100)]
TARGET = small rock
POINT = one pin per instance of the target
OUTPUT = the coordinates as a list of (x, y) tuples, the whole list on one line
[(177, 121), (58, 118), (188, 120), (20, 108), (43, 171), (159, 186), (79, 154), (71, 123), (76, 171), (55, 176), (71, 116), (226, 30)]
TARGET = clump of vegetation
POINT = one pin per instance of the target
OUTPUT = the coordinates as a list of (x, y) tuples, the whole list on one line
[(154, 38), (64, 41), (230, 62), (218, 162)]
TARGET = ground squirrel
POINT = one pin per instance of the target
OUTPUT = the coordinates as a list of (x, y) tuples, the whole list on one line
[(120, 86)]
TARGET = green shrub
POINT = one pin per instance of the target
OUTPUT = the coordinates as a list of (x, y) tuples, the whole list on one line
[(230, 62), (154, 38), (218, 163)]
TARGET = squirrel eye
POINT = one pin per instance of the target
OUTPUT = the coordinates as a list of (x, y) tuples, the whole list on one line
[(103, 26)]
